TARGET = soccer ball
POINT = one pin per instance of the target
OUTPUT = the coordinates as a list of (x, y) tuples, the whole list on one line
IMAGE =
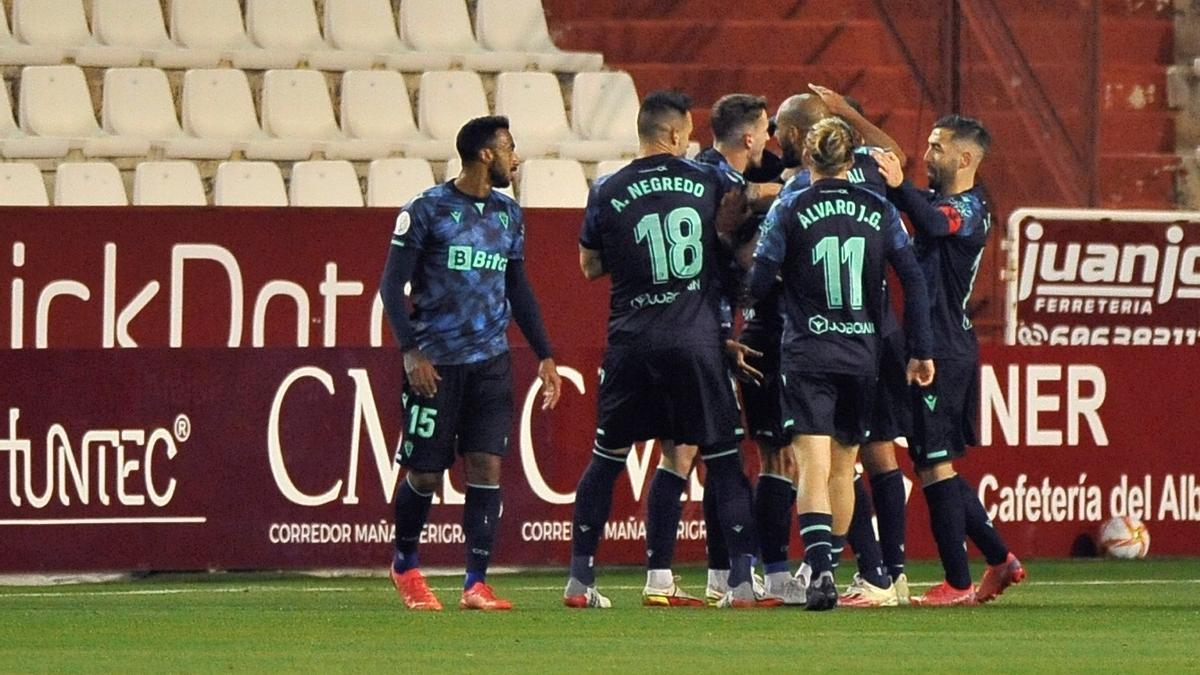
[(1125, 537)]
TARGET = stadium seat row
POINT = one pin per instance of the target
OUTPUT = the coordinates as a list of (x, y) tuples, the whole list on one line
[(390, 183), (218, 114), (358, 34)]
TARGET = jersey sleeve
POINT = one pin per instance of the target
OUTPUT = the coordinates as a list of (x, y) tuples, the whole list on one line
[(412, 225), (895, 236), (517, 217), (964, 214), (772, 235), (590, 237)]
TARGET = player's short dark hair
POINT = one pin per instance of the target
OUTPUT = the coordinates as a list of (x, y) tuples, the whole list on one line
[(734, 114), (657, 108), (478, 134), (966, 128)]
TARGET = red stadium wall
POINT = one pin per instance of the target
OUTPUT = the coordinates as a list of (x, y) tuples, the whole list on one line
[(158, 413), (1073, 90)]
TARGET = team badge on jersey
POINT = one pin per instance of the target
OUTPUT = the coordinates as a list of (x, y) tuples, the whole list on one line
[(403, 222)]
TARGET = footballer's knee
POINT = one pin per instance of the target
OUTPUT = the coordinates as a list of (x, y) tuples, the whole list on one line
[(425, 482), (777, 461), (678, 459), (879, 458), (482, 468), (938, 472)]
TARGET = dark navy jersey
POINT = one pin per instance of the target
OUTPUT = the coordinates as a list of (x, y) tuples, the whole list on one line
[(830, 242), (950, 258), (460, 307), (653, 224), (863, 173), (764, 318)]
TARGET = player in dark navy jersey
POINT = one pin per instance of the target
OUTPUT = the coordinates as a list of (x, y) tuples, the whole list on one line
[(652, 227), (740, 132), (880, 561), (952, 221), (830, 242), (461, 244)]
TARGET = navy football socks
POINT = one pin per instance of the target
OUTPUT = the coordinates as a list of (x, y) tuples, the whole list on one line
[(947, 519), (714, 545), (412, 510), (732, 494), (888, 496), (862, 539), (816, 531), (593, 503), (774, 502), (481, 514), (663, 510), (979, 527)]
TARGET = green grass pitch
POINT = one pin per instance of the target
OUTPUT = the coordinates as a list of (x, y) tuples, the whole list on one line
[(1068, 616)]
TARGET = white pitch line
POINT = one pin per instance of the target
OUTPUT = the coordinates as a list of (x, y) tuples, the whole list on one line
[(337, 589)]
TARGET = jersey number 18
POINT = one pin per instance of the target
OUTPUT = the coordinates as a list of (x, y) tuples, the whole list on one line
[(676, 252)]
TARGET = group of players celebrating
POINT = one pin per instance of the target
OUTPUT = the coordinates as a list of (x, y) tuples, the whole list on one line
[(825, 367)]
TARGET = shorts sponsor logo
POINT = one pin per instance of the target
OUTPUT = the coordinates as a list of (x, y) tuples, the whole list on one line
[(931, 402)]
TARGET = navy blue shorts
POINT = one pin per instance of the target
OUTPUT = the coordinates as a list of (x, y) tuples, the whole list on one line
[(471, 412), (678, 393), (764, 418), (945, 413), (891, 412), (827, 404)]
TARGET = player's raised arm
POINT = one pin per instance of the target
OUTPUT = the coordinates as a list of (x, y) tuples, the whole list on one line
[(871, 135)]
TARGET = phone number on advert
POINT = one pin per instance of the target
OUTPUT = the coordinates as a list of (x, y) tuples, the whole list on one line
[(1140, 336)]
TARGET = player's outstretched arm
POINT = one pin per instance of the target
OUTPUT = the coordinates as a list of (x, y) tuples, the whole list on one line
[(528, 315)]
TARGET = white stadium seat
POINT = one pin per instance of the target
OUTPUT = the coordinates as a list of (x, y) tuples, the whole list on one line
[(15, 143), (21, 184), (174, 183), (291, 25), (55, 103), (296, 105), (369, 25), (447, 100), (217, 105), (89, 184), (62, 24), (534, 106), (553, 183), (392, 182), (325, 183), (520, 26), (454, 167), (16, 53), (375, 108), (139, 24), (444, 26), (610, 166), (217, 25), (249, 184), (604, 108), (138, 104)]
